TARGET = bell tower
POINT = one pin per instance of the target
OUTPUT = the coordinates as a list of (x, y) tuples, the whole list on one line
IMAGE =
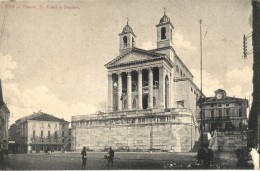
[(126, 39), (164, 32)]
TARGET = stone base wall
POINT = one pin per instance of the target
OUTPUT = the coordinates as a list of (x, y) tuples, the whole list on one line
[(175, 132), (231, 140), (177, 138)]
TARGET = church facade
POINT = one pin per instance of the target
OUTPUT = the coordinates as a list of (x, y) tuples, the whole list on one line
[(151, 100)]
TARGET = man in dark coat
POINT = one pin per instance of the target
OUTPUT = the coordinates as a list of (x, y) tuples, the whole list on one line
[(111, 155), (84, 158)]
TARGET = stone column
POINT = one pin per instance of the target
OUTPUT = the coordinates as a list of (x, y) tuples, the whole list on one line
[(110, 93), (140, 89), (161, 87), (150, 70), (119, 100), (129, 90)]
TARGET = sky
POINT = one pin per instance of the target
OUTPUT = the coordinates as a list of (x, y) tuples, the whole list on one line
[(52, 53)]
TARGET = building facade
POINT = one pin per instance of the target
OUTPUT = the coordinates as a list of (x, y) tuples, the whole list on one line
[(151, 99), (39, 132), (4, 121), (223, 113), (254, 117)]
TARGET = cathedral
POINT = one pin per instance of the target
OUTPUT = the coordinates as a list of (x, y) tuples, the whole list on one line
[(151, 100)]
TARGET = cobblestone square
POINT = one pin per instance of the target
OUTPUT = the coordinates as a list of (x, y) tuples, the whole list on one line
[(95, 161)]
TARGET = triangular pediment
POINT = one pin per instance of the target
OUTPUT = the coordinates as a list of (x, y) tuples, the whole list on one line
[(132, 57), (135, 56)]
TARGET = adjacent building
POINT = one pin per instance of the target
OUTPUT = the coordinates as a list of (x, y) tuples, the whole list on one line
[(223, 113), (225, 118), (151, 100), (4, 120), (39, 132)]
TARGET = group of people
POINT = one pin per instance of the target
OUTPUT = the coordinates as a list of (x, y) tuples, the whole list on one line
[(109, 157)]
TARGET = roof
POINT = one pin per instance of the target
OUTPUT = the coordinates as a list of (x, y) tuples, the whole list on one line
[(165, 20), (127, 29), (210, 100), (152, 56), (175, 55), (40, 116)]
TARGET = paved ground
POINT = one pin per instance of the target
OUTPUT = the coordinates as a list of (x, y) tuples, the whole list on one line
[(127, 160)]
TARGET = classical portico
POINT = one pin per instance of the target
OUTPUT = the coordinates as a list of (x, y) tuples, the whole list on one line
[(139, 88)]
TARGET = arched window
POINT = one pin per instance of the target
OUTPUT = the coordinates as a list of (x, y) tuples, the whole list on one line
[(134, 103), (163, 33), (125, 41)]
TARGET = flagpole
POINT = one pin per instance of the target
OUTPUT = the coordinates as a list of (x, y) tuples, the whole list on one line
[(201, 112)]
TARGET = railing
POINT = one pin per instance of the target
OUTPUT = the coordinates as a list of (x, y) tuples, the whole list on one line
[(132, 113)]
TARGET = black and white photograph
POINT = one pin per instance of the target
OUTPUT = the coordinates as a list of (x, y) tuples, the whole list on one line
[(129, 84)]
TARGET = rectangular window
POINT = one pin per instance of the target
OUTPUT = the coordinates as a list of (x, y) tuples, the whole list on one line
[(55, 134), (227, 112), (41, 133), (49, 134), (219, 105), (62, 133), (220, 113), (227, 104), (33, 133), (212, 105), (212, 114), (49, 125), (240, 112)]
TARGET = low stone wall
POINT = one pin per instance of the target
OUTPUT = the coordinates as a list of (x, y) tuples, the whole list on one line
[(231, 140)]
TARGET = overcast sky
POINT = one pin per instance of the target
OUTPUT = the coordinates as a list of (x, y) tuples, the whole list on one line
[(53, 59)]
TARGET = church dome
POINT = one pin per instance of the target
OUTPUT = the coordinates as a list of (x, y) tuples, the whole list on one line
[(127, 29), (165, 20)]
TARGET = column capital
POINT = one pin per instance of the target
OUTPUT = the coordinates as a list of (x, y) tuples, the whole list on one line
[(128, 72), (109, 74), (161, 67), (119, 74), (150, 68), (139, 70)]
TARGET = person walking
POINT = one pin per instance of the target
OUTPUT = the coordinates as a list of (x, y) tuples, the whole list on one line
[(111, 155), (84, 158)]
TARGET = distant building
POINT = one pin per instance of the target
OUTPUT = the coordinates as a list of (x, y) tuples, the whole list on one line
[(151, 100), (223, 113), (39, 132), (4, 120)]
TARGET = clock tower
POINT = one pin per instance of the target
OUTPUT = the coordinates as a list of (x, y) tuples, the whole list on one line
[(220, 94)]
